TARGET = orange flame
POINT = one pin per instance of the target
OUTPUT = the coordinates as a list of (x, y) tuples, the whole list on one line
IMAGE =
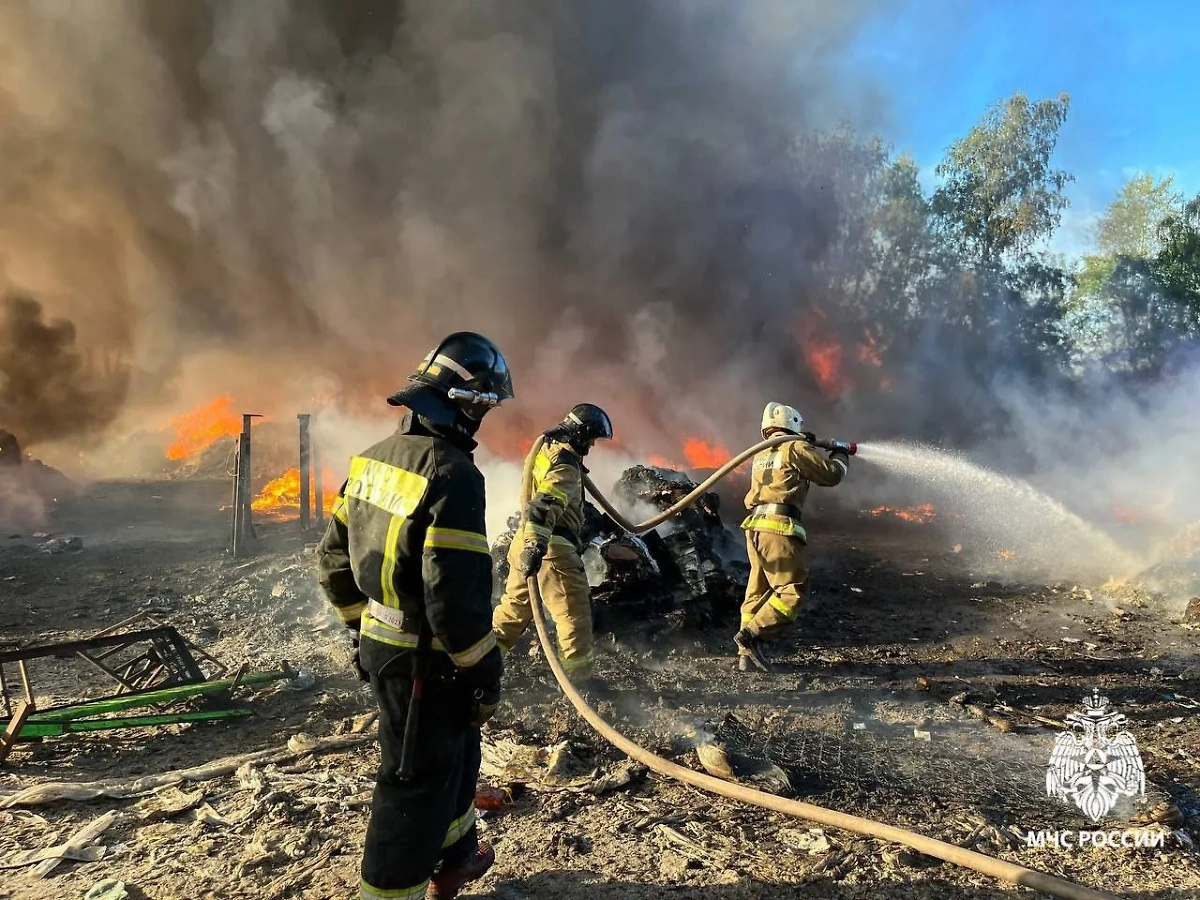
[(282, 494), (1007, 554), (701, 455), (696, 453), (837, 368), (922, 513), (202, 427), (824, 357)]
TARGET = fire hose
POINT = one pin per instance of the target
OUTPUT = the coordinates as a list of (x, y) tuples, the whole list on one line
[(980, 862)]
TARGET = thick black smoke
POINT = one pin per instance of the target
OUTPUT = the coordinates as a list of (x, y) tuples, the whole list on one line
[(617, 193), (46, 389)]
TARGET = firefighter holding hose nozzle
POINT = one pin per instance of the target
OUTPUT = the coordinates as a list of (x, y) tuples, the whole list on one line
[(550, 545), (775, 537), (405, 563)]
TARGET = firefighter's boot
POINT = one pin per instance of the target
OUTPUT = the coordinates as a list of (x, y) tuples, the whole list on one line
[(750, 651), (446, 885)]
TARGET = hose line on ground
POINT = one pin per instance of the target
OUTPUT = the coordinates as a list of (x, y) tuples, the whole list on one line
[(988, 865)]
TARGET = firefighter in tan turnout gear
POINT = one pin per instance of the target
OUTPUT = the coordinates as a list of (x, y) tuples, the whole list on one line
[(555, 517), (775, 537), (405, 562)]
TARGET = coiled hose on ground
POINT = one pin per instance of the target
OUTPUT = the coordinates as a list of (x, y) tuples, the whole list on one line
[(988, 865)]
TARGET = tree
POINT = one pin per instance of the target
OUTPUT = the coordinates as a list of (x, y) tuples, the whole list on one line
[(1178, 260), (1000, 195), (1129, 227)]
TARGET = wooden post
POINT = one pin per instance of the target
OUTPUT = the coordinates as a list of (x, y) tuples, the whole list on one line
[(305, 471)]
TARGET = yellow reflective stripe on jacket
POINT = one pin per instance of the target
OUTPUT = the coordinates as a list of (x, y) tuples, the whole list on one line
[(351, 612), (541, 468), (367, 892), (390, 635), (389, 487), (475, 652), (387, 572), (776, 525), (459, 827), (456, 539), (339, 510)]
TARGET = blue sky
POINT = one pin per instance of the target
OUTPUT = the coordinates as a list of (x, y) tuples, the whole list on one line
[(1131, 67)]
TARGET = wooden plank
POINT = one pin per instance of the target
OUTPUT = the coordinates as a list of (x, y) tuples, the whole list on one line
[(25, 681), (14, 728)]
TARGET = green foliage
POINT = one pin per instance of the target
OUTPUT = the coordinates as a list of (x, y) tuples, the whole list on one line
[(1130, 225), (1139, 297), (1000, 195), (1178, 260)]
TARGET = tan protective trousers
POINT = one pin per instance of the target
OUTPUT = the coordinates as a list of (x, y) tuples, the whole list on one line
[(778, 584), (567, 596)]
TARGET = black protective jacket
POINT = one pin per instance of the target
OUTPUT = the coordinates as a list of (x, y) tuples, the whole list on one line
[(407, 540)]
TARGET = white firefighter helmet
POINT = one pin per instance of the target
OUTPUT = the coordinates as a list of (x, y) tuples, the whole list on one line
[(776, 415)]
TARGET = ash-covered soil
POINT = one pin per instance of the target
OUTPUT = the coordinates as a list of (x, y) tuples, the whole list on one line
[(907, 694)]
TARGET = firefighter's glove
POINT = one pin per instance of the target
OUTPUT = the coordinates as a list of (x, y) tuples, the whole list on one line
[(482, 685), (356, 661), (531, 558)]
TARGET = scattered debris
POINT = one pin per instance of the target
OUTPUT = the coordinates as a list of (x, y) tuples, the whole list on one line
[(62, 545), (109, 889), (52, 792), (76, 842), (1191, 613), (813, 841), (624, 774)]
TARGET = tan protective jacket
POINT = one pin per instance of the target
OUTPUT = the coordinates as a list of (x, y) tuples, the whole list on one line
[(782, 475), (556, 507)]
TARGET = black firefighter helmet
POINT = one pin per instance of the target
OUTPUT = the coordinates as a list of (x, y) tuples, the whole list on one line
[(584, 424), (466, 373)]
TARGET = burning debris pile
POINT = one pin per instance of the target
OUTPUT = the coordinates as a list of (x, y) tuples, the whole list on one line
[(691, 569)]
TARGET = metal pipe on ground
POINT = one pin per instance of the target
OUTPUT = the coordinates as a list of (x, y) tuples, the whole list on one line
[(979, 862)]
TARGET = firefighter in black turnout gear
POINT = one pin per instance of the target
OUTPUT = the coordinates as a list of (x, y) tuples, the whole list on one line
[(405, 563)]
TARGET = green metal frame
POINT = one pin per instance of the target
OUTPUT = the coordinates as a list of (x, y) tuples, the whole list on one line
[(81, 717)]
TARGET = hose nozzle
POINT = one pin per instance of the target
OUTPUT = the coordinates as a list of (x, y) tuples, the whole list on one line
[(848, 447)]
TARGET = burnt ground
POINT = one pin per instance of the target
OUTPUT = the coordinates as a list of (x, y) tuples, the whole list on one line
[(868, 699)]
